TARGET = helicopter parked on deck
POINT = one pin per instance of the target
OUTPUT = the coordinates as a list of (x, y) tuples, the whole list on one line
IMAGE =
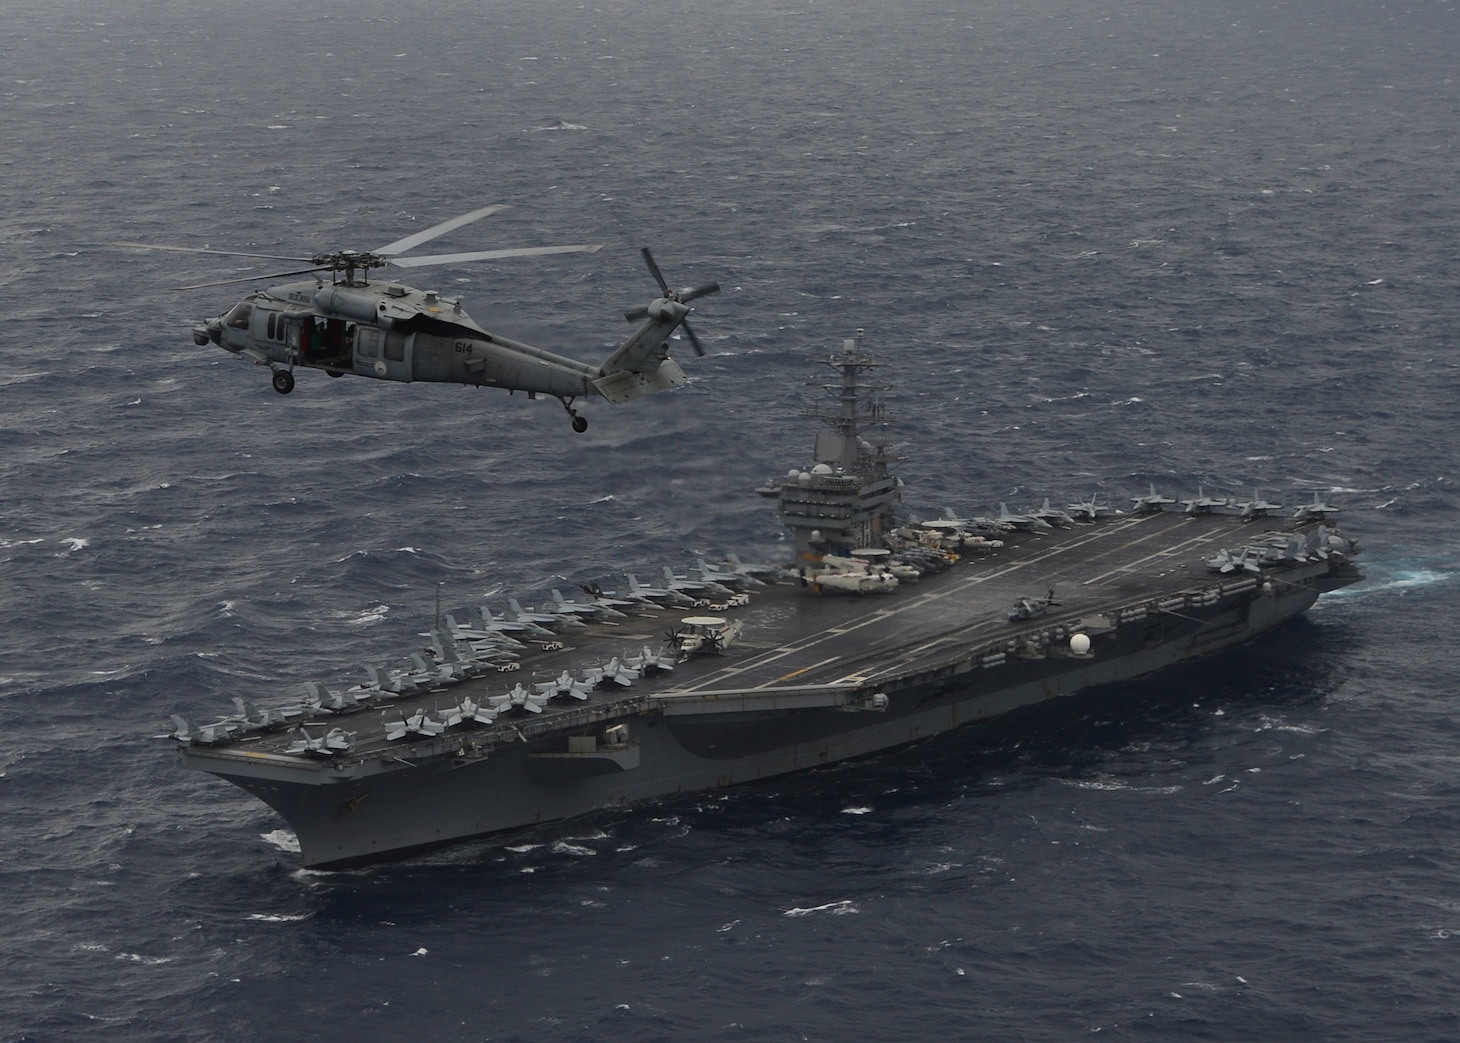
[(347, 324)]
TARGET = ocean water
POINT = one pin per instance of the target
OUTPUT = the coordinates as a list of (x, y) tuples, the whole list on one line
[(1096, 245)]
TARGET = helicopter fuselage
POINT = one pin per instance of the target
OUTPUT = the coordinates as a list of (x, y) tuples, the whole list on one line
[(389, 332), (392, 332)]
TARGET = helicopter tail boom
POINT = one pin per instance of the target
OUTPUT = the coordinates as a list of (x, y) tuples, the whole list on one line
[(643, 348)]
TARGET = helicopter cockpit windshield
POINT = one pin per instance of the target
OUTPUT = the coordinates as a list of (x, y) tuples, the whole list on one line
[(239, 317)]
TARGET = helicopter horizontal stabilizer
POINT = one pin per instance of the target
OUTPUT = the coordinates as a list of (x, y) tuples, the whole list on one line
[(626, 385)]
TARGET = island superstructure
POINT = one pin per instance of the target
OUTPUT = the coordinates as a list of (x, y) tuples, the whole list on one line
[(847, 499), (880, 633)]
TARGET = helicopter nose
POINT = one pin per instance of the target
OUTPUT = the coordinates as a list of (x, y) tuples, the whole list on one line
[(213, 333), (200, 335)]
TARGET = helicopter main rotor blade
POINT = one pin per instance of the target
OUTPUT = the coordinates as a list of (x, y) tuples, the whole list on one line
[(489, 255), (216, 253), (251, 278), (400, 246)]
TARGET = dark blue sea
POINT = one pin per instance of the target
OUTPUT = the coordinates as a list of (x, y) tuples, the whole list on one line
[(1097, 245)]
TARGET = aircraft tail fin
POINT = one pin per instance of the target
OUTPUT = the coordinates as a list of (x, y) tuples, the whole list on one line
[(445, 647), (247, 710)]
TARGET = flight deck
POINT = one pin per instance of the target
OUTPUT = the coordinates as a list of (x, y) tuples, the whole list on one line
[(821, 649)]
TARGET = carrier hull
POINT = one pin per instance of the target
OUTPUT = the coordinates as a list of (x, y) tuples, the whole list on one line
[(812, 681)]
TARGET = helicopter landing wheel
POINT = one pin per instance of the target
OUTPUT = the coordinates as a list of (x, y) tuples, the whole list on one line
[(283, 381), (580, 424)]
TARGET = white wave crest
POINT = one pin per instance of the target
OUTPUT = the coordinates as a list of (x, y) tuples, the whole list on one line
[(842, 908)]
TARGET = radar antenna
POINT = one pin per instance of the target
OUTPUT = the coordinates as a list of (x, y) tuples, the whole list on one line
[(854, 406)]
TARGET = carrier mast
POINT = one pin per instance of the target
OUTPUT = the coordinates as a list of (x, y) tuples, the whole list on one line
[(845, 501)]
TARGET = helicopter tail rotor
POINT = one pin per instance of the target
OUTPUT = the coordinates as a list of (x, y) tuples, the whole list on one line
[(676, 296)]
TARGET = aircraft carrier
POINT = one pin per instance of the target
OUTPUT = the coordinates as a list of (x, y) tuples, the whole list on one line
[(881, 632)]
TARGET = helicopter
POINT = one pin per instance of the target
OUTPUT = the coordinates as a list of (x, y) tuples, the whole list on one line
[(348, 324)]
